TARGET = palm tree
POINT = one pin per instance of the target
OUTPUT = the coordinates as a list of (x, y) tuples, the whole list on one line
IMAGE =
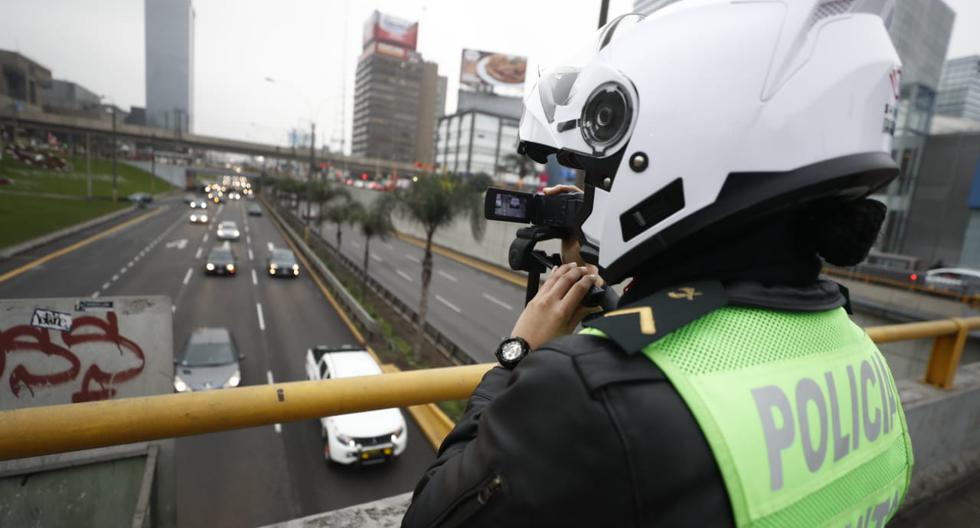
[(434, 202), (324, 193), (345, 210), (374, 221), (517, 164)]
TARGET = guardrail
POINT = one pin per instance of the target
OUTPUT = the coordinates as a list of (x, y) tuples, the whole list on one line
[(972, 300), (446, 346), (59, 428), (362, 318)]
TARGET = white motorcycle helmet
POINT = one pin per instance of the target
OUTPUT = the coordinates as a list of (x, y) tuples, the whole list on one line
[(709, 115)]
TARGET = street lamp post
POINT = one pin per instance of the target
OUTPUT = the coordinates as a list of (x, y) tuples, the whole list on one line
[(115, 150)]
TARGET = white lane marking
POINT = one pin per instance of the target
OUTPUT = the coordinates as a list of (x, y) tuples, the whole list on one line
[(96, 294), (199, 251), (376, 258), (246, 228), (497, 301), (115, 278), (173, 308), (387, 245), (413, 258), (270, 246), (248, 240), (255, 279), (258, 310), (220, 207), (451, 306), (403, 275), (131, 262), (268, 375), (105, 285), (205, 239), (123, 270), (250, 256), (355, 244), (187, 276), (447, 276)]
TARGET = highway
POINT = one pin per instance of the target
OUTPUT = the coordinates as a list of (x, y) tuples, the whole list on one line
[(474, 309), (238, 478)]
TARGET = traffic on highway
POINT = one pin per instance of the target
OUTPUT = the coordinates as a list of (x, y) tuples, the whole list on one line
[(237, 322)]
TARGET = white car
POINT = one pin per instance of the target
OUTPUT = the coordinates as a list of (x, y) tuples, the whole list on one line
[(962, 280), (228, 230), (364, 437)]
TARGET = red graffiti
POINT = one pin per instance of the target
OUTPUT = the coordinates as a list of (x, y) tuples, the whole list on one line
[(96, 384)]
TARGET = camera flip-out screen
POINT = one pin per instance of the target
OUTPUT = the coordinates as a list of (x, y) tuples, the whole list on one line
[(510, 206)]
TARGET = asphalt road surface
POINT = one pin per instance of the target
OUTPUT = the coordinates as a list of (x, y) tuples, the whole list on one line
[(252, 476), (475, 310)]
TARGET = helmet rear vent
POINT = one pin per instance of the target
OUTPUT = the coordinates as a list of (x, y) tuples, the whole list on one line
[(829, 9), (653, 210)]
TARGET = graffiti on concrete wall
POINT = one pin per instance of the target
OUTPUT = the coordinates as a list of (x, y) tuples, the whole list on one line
[(92, 357)]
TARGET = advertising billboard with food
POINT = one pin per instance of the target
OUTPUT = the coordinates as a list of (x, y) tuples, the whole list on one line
[(387, 29), (485, 71)]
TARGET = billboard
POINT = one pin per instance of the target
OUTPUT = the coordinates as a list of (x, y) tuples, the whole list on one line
[(387, 29), (484, 70)]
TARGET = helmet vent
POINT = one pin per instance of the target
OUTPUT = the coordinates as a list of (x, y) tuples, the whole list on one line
[(829, 9), (653, 210)]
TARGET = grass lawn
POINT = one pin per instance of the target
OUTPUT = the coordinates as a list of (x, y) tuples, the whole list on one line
[(130, 179), (25, 217)]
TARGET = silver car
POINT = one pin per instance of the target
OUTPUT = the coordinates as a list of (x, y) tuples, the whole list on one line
[(210, 360), (228, 230)]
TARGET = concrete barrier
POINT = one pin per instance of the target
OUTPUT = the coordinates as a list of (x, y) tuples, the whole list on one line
[(944, 425)]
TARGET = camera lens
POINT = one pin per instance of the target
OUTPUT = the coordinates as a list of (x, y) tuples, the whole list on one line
[(606, 116)]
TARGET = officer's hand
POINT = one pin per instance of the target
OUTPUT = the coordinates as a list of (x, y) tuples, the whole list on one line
[(556, 310), (570, 248)]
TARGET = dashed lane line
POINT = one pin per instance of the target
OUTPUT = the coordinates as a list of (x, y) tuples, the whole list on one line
[(248, 240), (258, 310), (187, 276), (105, 286), (413, 258), (114, 278), (355, 244), (403, 275), (447, 276), (199, 251), (255, 279), (498, 302), (205, 239), (376, 258), (95, 294), (250, 256), (448, 304)]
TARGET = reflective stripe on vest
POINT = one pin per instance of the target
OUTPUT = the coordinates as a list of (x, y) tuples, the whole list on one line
[(800, 411)]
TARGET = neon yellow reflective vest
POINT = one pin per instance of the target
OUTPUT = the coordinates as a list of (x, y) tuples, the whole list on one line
[(800, 411)]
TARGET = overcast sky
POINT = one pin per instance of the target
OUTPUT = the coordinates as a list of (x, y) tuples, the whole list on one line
[(302, 45)]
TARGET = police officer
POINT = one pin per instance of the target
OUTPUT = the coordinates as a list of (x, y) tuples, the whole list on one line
[(727, 145)]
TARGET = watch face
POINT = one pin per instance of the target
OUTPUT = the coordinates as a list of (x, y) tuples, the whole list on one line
[(511, 351)]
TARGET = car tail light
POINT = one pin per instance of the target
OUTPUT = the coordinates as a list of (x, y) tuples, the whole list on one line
[(914, 277)]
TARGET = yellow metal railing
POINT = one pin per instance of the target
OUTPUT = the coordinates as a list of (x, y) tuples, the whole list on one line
[(59, 428)]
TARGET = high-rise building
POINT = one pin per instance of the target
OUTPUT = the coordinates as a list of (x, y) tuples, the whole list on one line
[(959, 88), (396, 94), (477, 142), (920, 31), (170, 64)]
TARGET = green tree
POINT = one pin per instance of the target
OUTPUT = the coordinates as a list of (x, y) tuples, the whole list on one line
[(517, 164), (344, 210), (324, 193), (374, 221), (434, 202)]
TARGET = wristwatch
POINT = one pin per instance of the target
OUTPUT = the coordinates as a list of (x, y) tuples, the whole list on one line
[(511, 351)]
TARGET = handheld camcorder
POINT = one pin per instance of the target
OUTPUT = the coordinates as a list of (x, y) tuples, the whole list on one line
[(559, 211), (550, 217)]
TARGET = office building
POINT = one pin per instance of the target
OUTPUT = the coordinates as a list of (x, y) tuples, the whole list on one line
[(396, 94), (474, 142), (68, 98), (959, 89), (920, 30), (21, 82), (944, 209), (170, 64)]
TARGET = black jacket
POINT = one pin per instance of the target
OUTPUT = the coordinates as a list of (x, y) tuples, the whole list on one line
[(582, 434)]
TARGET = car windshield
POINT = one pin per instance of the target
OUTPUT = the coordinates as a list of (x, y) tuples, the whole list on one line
[(206, 354), (228, 225), (220, 255), (283, 256)]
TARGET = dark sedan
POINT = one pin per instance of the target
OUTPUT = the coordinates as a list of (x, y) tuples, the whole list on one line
[(221, 261), (282, 263), (210, 360)]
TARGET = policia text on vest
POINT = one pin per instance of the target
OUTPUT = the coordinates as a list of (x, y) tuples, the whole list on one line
[(799, 408)]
